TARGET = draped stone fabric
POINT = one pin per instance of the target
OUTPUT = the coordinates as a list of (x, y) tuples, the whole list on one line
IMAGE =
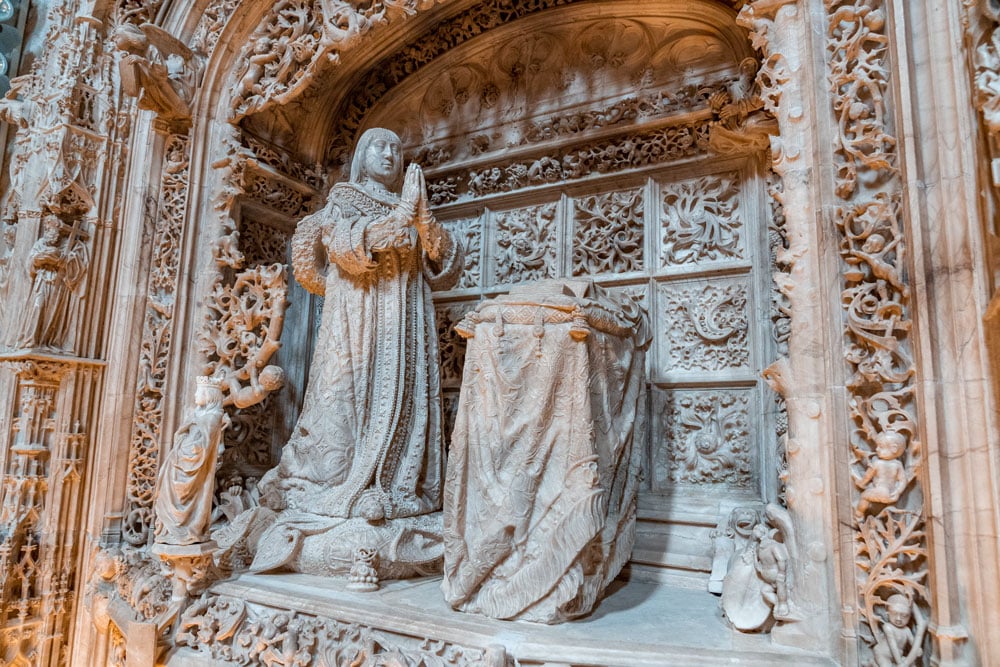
[(540, 495), (186, 480), (371, 419)]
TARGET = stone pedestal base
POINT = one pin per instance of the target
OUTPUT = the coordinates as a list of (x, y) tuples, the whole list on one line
[(188, 567), (313, 544)]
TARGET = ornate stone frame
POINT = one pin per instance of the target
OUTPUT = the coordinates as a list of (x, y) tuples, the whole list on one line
[(822, 415)]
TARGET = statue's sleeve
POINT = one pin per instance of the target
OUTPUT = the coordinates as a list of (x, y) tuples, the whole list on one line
[(444, 273), (308, 255), (345, 240)]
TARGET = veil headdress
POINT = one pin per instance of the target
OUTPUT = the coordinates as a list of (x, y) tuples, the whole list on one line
[(308, 254)]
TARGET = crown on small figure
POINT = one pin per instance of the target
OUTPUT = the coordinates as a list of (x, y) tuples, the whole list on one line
[(209, 381)]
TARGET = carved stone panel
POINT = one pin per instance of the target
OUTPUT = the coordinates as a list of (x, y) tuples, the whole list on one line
[(608, 233), (468, 232), (704, 327), (263, 243), (703, 437), (701, 221), (451, 346), (525, 244)]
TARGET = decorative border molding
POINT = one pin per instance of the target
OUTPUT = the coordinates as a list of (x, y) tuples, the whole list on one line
[(886, 454), (234, 631), (157, 338)]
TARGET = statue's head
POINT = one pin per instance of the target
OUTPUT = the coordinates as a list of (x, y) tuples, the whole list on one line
[(129, 38), (743, 519), (890, 444), (272, 378), (208, 391), (898, 610), (51, 226), (378, 157)]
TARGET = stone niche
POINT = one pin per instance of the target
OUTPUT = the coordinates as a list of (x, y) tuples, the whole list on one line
[(619, 142)]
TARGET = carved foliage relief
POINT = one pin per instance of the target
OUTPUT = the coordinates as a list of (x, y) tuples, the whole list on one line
[(701, 221), (891, 547), (526, 244), (708, 438), (244, 633), (468, 232), (157, 336), (451, 346), (705, 326), (702, 328), (608, 233)]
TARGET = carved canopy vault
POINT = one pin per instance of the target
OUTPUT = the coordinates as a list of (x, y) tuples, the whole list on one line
[(622, 142)]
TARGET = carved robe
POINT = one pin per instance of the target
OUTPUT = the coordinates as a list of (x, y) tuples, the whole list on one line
[(540, 498), (55, 274), (185, 484), (370, 428)]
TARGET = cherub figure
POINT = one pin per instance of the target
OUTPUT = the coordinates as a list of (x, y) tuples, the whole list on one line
[(896, 645), (260, 384), (249, 84), (886, 479), (772, 566)]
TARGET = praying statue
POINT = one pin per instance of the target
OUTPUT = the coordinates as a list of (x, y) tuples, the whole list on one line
[(365, 458)]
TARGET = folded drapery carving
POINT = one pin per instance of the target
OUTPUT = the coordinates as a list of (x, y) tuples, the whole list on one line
[(540, 493)]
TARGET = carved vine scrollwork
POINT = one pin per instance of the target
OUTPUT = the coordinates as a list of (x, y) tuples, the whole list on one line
[(608, 233), (705, 326), (468, 233), (710, 439), (781, 317), (245, 319), (232, 630), (526, 240), (451, 345), (631, 150), (858, 75), (891, 546), (157, 337), (701, 220), (284, 53)]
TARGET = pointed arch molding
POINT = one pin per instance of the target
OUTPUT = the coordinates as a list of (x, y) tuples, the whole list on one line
[(329, 55)]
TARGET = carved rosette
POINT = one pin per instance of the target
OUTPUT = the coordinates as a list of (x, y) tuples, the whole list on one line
[(886, 455)]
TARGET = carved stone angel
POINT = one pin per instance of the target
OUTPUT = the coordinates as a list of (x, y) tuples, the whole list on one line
[(742, 126), (164, 83), (758, 586)]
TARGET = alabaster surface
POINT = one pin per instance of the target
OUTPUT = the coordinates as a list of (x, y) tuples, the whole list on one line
[(363, 468), (543, 474), (801, 193), (186, 483)]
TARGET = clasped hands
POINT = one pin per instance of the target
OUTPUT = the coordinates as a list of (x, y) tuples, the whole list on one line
[(413, 212)]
